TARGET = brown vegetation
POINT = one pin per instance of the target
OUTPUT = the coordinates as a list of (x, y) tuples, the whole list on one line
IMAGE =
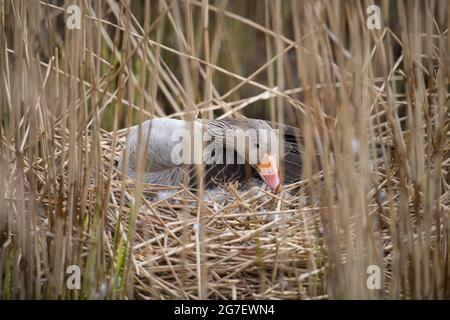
[(67, 98)]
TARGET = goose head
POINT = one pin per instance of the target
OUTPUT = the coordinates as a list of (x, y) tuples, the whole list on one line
[(255, 141)]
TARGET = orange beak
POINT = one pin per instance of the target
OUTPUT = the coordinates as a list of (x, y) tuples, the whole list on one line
[(268, 171)]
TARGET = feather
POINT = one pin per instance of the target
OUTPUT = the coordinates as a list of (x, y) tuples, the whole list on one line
[(152, 143)]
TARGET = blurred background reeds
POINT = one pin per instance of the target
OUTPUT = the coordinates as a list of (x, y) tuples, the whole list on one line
[(372, 106)]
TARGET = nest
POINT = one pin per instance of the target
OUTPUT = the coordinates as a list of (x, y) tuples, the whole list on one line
[(225, 243)]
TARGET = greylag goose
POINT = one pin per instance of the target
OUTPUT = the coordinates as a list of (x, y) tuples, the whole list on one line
[(160, 144)]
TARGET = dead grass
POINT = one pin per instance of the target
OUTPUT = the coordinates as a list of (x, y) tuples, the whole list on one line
[(65, 111)]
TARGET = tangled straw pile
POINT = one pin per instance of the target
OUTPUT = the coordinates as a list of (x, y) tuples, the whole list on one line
[(256, 244), (67, 95)]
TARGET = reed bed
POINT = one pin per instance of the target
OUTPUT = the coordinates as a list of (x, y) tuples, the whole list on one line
[(373, 107)]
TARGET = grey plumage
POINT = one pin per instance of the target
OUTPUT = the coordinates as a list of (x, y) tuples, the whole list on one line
[(156, 147)]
